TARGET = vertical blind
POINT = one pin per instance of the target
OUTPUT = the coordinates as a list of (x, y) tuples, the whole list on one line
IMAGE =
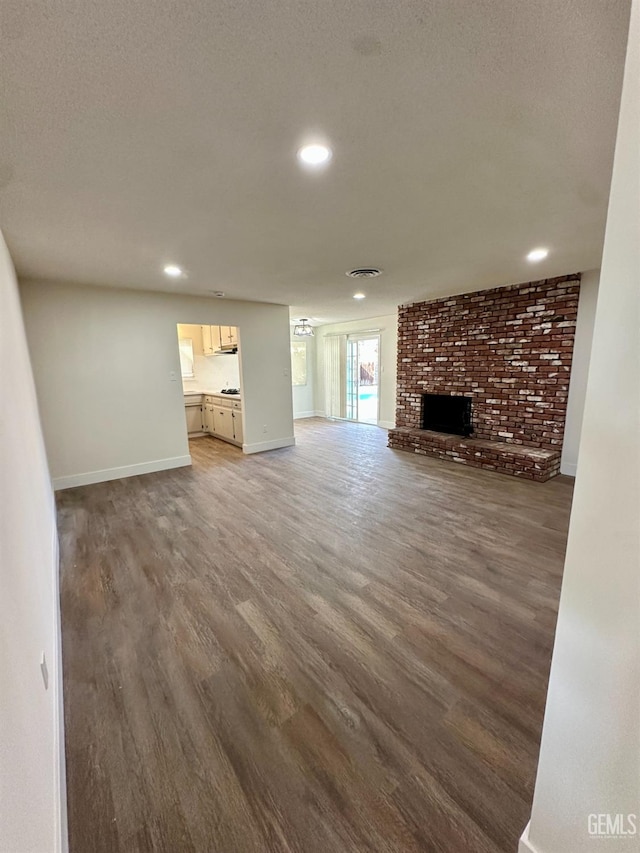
[(334, 355)]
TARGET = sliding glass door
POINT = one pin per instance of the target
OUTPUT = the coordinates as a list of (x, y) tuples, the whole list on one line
[(362, 378)]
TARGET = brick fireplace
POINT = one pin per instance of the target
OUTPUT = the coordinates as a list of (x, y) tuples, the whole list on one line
[(509, 350)]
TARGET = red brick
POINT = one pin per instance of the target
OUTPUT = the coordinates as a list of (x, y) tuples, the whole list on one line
[(503, 348)]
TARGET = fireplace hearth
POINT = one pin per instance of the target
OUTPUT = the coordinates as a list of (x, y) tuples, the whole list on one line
[(447, 413)]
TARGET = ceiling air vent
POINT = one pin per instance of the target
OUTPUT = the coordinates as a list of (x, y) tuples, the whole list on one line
[(364, 272)]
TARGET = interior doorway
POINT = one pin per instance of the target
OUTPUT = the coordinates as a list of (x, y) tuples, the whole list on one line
[(363, 378), (210, 369)]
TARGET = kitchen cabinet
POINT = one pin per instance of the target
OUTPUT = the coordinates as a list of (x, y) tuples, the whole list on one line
[(228, 336), (219, 415), (208, 418), (194, 418), (193, 413), (210, 339), (222, 416), (216, 337), (223, 422), (238, 434)]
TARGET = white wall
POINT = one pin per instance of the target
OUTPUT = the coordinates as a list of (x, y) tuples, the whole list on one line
[(388, 355), (304, 405), (103, 359), (590, 751), (579, 370), (214, 372), (32, 792)]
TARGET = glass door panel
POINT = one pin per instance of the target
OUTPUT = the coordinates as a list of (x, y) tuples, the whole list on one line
[(368, 379), (353, 380)]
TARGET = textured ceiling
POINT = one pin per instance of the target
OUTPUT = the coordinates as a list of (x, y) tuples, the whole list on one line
[(465, 132)]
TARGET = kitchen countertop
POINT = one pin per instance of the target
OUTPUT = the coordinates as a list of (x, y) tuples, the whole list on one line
[(196, 393)]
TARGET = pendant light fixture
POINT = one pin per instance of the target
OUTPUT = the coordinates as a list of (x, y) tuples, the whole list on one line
[(303, 329)]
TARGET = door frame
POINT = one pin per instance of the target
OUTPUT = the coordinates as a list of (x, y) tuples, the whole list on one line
[(354, 338)]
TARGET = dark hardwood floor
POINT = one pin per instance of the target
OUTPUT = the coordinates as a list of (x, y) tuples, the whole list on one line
[(332, 647)]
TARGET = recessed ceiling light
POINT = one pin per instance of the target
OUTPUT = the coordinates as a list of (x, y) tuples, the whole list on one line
[(218, 293), (359, 296), (173, 271), (314, 155), (537, 255)]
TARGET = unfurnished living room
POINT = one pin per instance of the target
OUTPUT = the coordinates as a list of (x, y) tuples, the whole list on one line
[(320, 458)]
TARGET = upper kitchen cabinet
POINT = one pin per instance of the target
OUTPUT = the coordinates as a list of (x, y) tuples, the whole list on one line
[(219, 339), (209, 345), (228, 336)]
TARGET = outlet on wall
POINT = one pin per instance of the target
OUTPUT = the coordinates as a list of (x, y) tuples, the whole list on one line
[(264, 428)]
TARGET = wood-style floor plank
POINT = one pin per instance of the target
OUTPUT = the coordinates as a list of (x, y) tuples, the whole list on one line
[(334, 646)]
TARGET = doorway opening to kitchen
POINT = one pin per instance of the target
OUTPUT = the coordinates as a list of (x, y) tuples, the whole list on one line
[(210, 373)]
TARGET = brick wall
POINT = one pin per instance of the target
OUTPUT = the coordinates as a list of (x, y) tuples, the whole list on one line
[(509, 348)]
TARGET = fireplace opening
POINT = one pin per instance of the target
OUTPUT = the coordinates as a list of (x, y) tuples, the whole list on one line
[(445, 413)]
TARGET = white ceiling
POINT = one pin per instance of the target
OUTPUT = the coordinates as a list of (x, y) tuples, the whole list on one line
[(465, 132)]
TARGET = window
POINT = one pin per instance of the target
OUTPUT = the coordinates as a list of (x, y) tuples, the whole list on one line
[(186, 358), (299, 363)]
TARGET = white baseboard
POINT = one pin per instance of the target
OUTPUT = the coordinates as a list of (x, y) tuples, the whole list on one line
[(525, 846), (300, 415), (382, 424), (89, 477), (274, 444), (568, 468), (61, 840)]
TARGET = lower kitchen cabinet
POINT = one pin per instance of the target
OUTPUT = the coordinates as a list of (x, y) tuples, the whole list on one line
[(222, 417), (194, 414), (223, 423), (237, 425), (208, 418), (214, 414)]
